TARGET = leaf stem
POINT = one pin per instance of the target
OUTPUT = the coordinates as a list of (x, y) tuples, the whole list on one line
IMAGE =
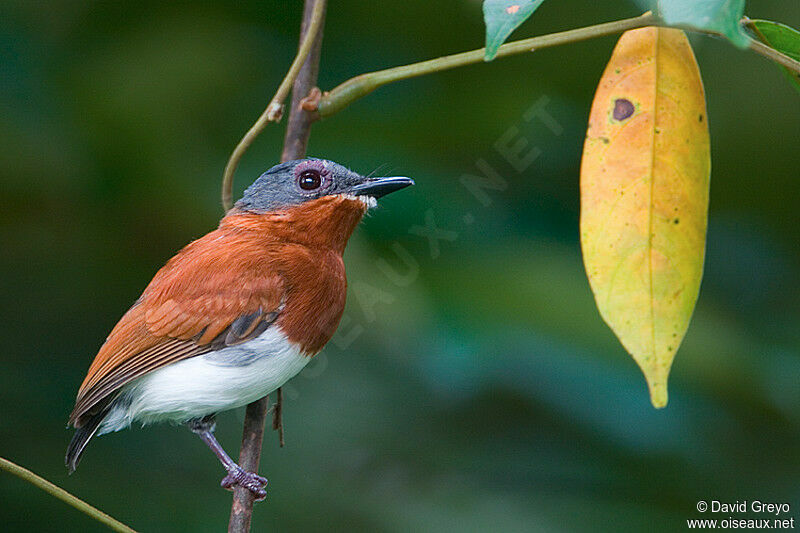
[(760, 47), (769, 52), (64, 496), (274, 110)]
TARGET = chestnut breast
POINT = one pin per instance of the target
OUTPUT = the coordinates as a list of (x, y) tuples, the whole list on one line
[(304, 245), (316, 289)]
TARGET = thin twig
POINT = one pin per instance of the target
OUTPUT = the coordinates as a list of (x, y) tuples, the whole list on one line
[(355, 88), (277, 417), (351, 90), (294, 147), (64, 496), (274, 110)]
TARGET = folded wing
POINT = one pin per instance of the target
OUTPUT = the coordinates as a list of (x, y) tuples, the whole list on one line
[(218, 291)]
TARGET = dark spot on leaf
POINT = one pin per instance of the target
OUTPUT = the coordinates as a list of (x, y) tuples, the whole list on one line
[(658, 130), (676, 221), (616, 71), (605, 140), (700, 118), (622, 109)]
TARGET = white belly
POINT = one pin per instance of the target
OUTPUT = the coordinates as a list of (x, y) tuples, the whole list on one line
[(210, 383)]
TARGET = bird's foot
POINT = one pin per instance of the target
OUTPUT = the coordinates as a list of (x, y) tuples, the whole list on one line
[(247, 480)]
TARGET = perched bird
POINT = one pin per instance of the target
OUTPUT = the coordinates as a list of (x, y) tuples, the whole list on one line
[(235, 314)]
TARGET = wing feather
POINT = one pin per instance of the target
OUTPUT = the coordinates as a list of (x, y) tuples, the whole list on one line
[(203, 299)]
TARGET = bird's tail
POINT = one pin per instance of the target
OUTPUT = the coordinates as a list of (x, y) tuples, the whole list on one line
[(82, 437)]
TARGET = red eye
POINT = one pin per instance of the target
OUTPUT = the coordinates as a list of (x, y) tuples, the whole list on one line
[(309, 180)]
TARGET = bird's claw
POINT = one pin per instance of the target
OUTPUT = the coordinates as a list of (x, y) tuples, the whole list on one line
[(247, 480)]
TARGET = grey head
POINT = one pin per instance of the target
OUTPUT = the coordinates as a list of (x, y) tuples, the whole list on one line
[(295, 182)]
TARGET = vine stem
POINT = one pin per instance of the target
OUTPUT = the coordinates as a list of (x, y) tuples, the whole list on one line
[(351, 90), (355, 88), (64, 496), (274, 110), (294, 147)]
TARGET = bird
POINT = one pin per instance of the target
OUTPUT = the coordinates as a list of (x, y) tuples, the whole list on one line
[(234, 314)]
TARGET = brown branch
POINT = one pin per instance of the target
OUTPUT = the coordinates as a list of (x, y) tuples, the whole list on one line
[(312, 26), (299, 124), (294, 147), (249, 457)]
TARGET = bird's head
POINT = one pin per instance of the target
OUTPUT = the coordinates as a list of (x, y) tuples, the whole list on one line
[(295, 183), (311, 201)]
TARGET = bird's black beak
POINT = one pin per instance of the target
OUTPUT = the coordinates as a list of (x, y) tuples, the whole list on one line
[(377, 187)]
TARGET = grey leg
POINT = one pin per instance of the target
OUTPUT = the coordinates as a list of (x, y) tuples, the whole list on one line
[(204, 428)]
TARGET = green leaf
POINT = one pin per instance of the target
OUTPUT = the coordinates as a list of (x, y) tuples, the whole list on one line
[(720, 16), (503, 17), (783, 39)]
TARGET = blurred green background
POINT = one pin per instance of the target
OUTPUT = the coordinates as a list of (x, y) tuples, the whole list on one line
[(481, 393)]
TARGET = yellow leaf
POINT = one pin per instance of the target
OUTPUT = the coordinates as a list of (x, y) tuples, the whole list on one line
[(644, 196)]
